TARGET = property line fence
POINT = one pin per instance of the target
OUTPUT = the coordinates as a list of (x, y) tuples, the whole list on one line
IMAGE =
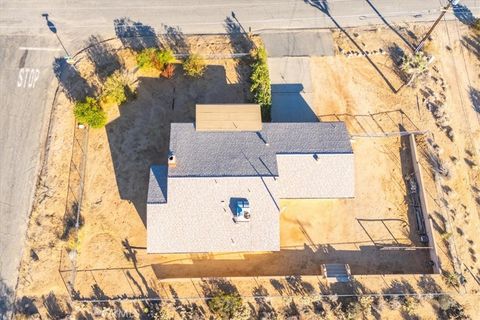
[(72, 217)]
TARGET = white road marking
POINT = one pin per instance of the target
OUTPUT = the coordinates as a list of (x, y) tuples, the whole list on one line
[(39, 49), (27, 77)]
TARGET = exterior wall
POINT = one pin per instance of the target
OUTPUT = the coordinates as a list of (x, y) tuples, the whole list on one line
[(423, 202)]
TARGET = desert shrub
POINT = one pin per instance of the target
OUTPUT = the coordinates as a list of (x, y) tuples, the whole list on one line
[(260, 82), (89, 112), (451, 279), (145, 58), (162, 59), (409, 305), (114, 89), (226, 305), (414, 64), (194, 66)]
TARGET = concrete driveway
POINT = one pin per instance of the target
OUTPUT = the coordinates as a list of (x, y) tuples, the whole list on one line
[(292, 91), (299, 43)]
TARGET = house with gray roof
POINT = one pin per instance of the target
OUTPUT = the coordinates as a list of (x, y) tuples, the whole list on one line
[(221, 188)]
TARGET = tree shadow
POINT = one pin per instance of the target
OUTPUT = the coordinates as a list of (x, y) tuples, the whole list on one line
[(102, 56), (174, 39), (472, 44), (131, 255), (390, 26), (297, 286), (189, 311), (475, 98), (25, 306), (322, 5), (397, 55), (239, 39), (139, 137), (6, 299), (264, 306), (75, 87), (463, 14), (213, 286), (134, 34), (56, 309)]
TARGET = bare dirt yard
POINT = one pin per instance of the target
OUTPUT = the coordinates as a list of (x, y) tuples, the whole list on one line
[(365, 92)]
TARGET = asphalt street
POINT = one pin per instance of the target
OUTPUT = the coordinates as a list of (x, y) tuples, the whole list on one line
[(75, 20), (28, 47), (25, 100)]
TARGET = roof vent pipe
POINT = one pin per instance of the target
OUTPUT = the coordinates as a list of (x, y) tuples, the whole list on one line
[(172, 160)]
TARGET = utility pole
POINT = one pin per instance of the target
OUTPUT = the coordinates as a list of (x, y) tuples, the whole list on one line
[(444, 11)]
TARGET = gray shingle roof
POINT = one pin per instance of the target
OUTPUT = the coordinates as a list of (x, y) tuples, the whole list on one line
[(198, 217), (235, 154), (157, 185)]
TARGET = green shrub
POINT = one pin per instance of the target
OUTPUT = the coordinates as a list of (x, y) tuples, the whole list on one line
[(152, 58), (145, 58), (194, 66), (226, 305), (415, 64), (260, 83), (114, 89), (89, 112), (163, 58)]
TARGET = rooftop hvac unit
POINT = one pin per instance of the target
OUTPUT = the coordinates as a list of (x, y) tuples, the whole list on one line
[(242, 211)]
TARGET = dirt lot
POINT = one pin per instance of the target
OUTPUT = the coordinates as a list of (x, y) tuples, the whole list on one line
[(112, 259)]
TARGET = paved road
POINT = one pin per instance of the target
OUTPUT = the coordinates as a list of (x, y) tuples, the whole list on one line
[(25, 75), (75, 20), (25, 79)]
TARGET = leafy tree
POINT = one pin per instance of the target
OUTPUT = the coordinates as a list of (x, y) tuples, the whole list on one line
[(89, 112), (194, 66), (260, 80), (226, 305), (114, 89)]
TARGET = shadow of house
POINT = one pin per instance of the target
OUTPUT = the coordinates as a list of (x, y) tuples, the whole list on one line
[(102, 55), (140, 136), (288, 104), (463, 14), (134, 34), (366, 260), (75, 87)]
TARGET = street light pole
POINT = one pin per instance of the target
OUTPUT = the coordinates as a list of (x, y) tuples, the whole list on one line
[(444, 11)]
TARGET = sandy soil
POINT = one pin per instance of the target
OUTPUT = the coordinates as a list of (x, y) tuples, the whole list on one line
[(112, 258)]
